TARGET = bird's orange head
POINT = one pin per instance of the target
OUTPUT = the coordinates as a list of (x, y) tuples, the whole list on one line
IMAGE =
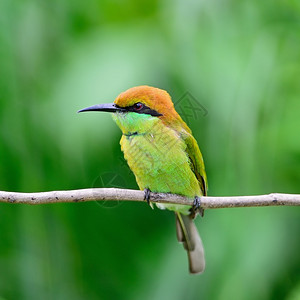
[(147, 99)]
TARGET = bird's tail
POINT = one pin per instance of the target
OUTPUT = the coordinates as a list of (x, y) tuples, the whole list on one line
[(188, 235)]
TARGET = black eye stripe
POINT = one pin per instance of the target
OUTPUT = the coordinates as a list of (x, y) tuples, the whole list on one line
[(144, 109)]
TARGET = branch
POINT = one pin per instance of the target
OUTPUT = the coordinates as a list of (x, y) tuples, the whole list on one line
[(112, 194)]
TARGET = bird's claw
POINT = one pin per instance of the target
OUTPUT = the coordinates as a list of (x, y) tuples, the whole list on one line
[(197, 207), (147, 195), (196, 203)]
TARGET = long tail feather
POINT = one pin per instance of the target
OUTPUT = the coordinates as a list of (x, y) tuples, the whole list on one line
[(188, 235)]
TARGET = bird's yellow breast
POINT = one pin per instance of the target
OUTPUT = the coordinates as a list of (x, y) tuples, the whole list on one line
[(156, 155)]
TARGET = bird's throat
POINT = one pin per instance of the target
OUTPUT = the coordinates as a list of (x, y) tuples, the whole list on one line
[(133, 124)]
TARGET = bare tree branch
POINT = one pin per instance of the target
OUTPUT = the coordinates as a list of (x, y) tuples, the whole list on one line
[(112, 194)]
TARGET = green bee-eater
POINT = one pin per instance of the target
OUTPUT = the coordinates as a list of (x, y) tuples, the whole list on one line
[(163, 155)]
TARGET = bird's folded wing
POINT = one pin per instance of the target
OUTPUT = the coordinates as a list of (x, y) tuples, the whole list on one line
[(195, 156)]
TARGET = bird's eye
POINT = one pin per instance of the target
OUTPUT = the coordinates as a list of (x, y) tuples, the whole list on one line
[(138, 106)]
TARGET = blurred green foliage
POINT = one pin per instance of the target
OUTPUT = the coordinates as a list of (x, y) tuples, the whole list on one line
[(239, 59)]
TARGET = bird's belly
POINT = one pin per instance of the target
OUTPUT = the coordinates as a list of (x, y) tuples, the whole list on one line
[(161, 165)]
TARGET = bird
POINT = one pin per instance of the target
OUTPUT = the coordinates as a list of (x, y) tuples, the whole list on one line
[(164, 156)]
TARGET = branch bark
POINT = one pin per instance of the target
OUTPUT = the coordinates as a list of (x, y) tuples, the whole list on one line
[(112, 194)]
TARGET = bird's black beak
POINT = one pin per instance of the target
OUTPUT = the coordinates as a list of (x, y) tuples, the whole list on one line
[(108, 107)]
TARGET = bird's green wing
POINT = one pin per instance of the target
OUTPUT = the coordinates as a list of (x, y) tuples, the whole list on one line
[(196, 159)]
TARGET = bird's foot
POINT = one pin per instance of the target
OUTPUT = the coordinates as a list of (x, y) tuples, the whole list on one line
[(147, 195), (197, 207)]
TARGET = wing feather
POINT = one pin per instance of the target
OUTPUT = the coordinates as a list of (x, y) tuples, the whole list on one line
[(196, 159)]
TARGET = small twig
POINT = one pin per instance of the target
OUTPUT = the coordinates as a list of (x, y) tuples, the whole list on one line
[(112, 194)]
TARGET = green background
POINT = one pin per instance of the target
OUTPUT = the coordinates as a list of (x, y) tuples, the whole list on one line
[(240, 60)]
